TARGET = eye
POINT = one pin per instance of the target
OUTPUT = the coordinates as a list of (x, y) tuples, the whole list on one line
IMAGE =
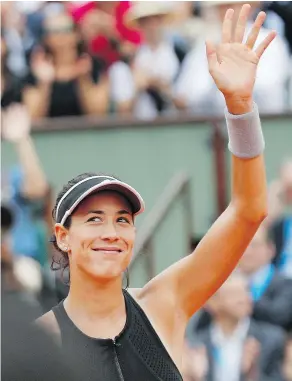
[(94, 219), (123, 220)]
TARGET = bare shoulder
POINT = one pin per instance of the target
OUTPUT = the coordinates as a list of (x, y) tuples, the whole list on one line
[(49, 323), (135, 293)]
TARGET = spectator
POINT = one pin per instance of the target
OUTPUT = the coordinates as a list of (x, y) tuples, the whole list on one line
[(238, 347), (287, 364), (280, 220), (28, 354), (63, 80), (271, 291), (156, 64), (10, 284), (17, 37), (25, 185), (10, 84), (26, 188), (272, 74), (104, 30)]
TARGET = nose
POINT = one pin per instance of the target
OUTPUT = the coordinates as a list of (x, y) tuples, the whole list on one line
[(109, 232)]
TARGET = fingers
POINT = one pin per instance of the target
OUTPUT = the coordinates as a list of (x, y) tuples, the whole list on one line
[(241, 23), (227, 26), (211, 55), (263, 45), (253, 35)]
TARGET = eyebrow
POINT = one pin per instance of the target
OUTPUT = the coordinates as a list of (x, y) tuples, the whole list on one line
[(120, 212)]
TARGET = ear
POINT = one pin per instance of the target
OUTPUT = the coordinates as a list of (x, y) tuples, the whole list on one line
[(62, 237)]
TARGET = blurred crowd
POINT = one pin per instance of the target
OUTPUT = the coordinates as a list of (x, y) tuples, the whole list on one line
[(145, 59), (141, 58)]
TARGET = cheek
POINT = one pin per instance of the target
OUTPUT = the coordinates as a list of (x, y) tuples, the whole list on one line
[(81, 238), (129, 236)]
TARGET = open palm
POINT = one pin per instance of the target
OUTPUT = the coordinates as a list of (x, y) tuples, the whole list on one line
[(233, 63)]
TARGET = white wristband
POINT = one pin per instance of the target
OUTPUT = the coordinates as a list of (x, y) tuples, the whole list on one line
[(245, 134)]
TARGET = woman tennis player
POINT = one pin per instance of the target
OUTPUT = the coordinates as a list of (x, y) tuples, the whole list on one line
[(137, 334)]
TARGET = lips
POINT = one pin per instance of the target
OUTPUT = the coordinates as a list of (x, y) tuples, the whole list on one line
[(108, 250)]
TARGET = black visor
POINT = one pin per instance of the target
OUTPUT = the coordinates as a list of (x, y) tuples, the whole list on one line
[(84, 188)]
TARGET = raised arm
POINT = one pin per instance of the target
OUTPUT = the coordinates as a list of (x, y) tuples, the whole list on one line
[(190, 282), (16, 129)]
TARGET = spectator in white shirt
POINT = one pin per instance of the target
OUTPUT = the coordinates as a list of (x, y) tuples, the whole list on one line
[(198, 92), (156, 64), (237, 348)]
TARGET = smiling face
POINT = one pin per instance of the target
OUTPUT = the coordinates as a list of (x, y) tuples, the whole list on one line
[(101, 236)]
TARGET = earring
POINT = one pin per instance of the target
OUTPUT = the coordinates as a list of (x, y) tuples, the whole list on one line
[(65, 248)]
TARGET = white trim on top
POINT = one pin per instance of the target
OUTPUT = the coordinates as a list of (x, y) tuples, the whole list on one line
[(101, 185), (76, 185)]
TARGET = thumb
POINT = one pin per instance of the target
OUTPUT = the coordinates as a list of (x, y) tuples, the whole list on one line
[(211, 55)]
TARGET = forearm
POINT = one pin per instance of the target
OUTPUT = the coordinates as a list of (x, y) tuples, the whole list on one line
[(93, 98), (34, 180), (37, 100)]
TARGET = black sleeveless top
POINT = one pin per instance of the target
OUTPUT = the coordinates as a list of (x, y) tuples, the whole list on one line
[(136, 354)]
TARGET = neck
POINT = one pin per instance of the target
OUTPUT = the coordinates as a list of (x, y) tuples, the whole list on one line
[(65, 57), (227, 325), (91, 298)]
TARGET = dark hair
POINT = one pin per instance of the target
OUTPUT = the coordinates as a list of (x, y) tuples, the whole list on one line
[(81, 46), (62, 262)]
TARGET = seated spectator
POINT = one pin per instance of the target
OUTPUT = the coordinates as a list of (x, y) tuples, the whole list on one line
[(287, 363), (198, 93), (236, 346), (280, 221), (63, 80), (10, 84), (270, 290), (155, 65)]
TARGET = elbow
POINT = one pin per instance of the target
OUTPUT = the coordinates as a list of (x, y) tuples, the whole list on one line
[(254, 213)]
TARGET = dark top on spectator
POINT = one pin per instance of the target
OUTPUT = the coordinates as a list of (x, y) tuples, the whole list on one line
[(28, 354), (64, 97), (137, 353), (12, 91)]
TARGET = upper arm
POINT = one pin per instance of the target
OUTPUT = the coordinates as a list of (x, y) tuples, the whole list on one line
[(191, 281)]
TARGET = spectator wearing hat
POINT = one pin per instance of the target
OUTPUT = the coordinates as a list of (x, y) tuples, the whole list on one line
[(155, 65)]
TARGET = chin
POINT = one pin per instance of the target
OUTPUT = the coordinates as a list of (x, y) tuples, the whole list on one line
[(104, 272)]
